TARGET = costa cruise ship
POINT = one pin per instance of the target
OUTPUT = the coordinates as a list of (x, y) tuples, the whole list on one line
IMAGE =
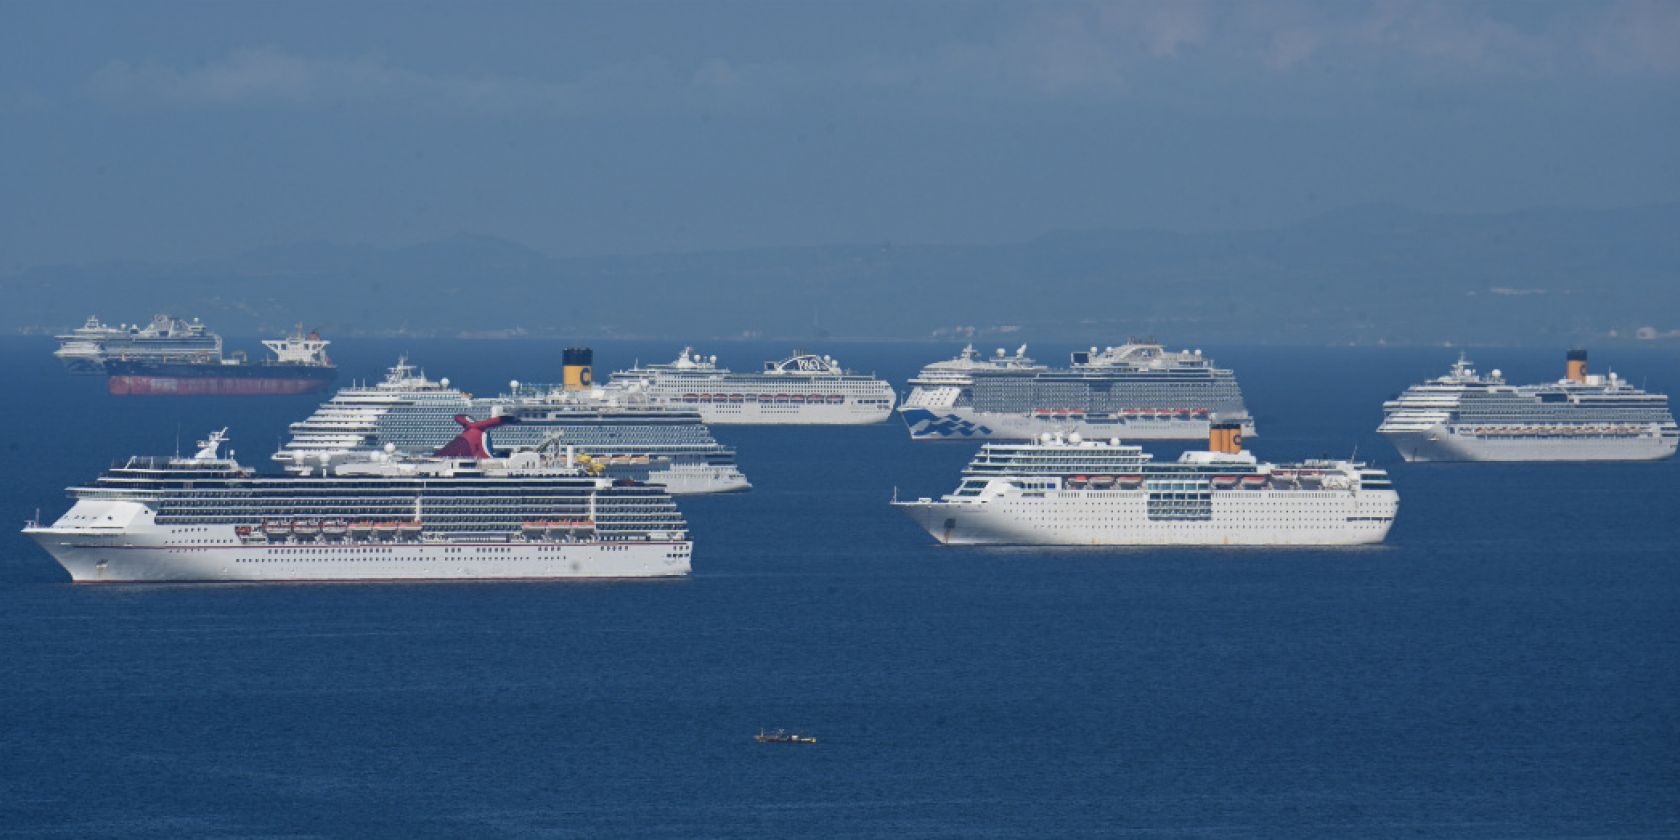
[(1465, 416), (458, 515), (1066, 490), (803, 389), (1136, 391)]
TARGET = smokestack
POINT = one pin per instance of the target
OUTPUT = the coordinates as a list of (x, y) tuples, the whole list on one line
[(1225, 436), (1577, 366), (578, 368)]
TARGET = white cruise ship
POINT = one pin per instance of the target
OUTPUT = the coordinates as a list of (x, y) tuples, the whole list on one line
[(348, 423), (804, 389), (1137, 391), (627, 438), (1064, 490), (1465, 416), (87, 348), (460, 515)]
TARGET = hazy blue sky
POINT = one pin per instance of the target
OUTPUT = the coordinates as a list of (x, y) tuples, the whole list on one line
[(179, 130)]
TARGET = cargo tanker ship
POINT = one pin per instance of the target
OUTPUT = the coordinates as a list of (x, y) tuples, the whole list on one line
[(300, 366)]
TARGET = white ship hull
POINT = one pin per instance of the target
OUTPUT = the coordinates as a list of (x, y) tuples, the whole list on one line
[(81, 358), (963, 423), (1120, 518), (214, 553), (1439, 444), (782, 414), (699, 479)]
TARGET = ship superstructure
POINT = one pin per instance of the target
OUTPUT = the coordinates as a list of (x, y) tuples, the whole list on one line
[(1137, 391), (1066, 490), (457, 515), (348, 423), (803, 389), (622, 436), (86, 349), (1467, 416)]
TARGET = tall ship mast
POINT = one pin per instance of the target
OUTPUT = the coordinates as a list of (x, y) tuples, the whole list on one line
[(300, 366), (86, 349), (1066, 490), (1137, 391), (1466, 416), (803, 389), (458, 514), (619, 435)]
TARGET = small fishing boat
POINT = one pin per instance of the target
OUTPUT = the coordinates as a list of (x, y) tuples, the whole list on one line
[(782, 736)]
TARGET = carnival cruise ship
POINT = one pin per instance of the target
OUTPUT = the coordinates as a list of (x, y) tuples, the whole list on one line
[(1136, 391), (86, 349), (1065, 490), (803, 389), (458, 515), (1465, 416), (625, 437)]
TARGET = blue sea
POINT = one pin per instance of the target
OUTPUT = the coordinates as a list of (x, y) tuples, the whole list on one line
[(1508, 666)]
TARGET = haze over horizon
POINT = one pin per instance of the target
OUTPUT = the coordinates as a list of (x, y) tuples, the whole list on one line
[(184, 131)]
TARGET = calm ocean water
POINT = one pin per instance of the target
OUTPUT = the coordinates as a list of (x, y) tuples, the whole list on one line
[(1507, 667)]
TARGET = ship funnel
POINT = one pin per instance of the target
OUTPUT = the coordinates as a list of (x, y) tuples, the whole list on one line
[(1577, 369), (474, 439), (578, 365), (1225, 436)]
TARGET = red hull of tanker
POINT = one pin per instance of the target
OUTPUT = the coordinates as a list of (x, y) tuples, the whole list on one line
[(131, 385)]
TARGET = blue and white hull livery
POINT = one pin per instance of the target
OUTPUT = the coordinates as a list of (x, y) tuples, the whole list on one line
[(1464, 416), (166, 338), (1137, 391), (965, 423)]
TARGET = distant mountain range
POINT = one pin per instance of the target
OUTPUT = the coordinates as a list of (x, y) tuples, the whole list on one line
[(1364, 275)]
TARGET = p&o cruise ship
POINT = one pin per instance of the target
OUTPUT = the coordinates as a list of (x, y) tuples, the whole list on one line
[(86, 349), (804, 389), (457, 515), (1138, 391), (1065, 490), (1465, 416)]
